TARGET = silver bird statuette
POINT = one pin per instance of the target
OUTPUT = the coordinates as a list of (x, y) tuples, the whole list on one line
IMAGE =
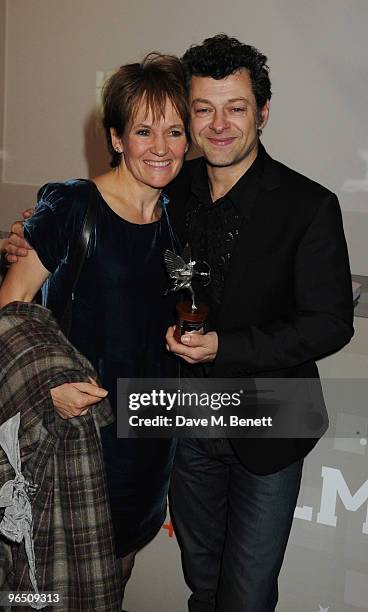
[(182, 271)]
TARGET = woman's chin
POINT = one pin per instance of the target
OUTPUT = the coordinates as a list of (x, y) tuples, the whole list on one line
[(161, 181)]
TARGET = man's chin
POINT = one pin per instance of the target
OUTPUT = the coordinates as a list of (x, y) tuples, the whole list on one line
[(220, 163), (224, 161)]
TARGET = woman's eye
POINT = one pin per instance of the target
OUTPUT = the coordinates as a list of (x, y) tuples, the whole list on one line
[(176, 133), (143, 132)]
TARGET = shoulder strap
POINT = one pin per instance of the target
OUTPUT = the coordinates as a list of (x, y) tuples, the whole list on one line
[(79, 257)]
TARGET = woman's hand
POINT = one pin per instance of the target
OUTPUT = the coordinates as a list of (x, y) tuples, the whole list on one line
[(74, 399), (15, 245)]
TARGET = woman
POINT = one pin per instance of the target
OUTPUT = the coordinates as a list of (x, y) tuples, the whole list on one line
[(120, 314)]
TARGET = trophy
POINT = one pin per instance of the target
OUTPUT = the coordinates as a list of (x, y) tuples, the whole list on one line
[(190, 316)]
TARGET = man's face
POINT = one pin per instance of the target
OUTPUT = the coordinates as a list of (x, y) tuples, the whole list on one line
[(224, 119)]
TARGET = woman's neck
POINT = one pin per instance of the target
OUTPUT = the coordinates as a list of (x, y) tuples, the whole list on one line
[(129, 198)]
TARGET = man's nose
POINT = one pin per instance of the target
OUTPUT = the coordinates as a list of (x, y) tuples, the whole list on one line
[(219, 122)]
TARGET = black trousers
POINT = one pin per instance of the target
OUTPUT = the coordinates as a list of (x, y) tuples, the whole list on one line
[(232, 526)]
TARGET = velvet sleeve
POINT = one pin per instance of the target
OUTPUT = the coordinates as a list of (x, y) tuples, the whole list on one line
[(56, 222)]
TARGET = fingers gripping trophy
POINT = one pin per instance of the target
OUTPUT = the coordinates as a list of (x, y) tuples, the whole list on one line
[(190, 315)]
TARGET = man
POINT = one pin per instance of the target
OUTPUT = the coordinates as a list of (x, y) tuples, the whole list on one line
[(280, 297)]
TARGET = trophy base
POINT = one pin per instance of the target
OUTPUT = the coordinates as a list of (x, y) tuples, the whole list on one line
[(189, 322)]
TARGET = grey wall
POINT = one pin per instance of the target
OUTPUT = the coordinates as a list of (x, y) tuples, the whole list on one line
[(2, 73), (317, 53)]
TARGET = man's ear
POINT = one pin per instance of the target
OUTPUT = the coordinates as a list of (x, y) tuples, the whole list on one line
[(116, 141), (263, 115)]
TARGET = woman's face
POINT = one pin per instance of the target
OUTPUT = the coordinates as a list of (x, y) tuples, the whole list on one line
[(153, 151)]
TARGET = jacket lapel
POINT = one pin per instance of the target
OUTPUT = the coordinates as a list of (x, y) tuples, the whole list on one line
[(270, 180)]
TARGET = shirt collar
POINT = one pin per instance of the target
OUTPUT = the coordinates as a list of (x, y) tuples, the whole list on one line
[(199, 185), (244, 190)]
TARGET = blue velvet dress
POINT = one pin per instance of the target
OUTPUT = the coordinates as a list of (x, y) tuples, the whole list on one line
[(120, 316)]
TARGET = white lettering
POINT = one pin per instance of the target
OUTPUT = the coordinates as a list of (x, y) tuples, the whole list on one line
[(333, 484), (304, 512), (215, 421), (182, 421)]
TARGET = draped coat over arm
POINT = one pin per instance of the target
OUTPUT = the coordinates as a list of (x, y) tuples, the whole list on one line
[(72, 532)]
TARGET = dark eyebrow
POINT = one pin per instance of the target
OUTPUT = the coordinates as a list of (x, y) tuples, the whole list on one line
[(204, 101), (238, 99)]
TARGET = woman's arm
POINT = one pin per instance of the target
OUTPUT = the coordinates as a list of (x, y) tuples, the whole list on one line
[(23, 280), (21, 283)]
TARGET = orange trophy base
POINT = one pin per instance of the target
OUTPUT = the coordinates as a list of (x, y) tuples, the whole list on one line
[(189, 321)]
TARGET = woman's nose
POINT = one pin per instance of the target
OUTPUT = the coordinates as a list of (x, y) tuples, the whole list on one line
[(159, 146)]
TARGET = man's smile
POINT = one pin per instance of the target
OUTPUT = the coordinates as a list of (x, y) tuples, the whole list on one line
[(222, 142)]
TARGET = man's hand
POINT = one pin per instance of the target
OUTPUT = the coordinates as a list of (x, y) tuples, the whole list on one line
[(193, 348), (15, 245), (74, 399)]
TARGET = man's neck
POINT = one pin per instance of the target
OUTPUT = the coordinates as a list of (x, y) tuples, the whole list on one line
[(222, 179)]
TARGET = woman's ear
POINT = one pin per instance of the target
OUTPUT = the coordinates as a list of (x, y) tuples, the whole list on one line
[(116, 141)]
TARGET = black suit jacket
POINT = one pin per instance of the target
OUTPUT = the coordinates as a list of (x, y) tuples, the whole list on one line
[(287, 297)]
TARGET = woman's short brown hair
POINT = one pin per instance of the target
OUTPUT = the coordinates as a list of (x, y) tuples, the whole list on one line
[(157, 78)]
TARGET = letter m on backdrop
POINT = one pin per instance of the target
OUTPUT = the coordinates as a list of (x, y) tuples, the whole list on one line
[(334, 484)]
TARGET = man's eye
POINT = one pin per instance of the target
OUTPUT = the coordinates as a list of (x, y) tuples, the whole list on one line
[(237, 109), (201, 111)]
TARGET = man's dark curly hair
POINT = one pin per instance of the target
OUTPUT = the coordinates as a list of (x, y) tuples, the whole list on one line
[(219, 56)]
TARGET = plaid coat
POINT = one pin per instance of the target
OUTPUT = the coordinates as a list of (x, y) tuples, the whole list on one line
[(72, 532)]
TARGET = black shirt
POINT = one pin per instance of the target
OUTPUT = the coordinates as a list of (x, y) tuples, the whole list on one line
[(213, 227)]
